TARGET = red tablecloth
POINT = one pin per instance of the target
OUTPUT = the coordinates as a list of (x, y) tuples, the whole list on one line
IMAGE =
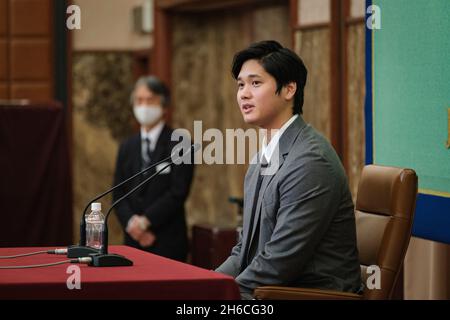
[(151, 277)]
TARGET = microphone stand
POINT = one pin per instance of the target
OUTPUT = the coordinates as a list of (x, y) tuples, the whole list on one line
[(105, 259), (81, 250)]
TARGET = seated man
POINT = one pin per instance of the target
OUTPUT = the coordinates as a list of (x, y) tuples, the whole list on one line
[(299, 225)]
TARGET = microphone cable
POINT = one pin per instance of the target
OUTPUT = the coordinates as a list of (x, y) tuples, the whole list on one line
[(84, 260), (55, 251)]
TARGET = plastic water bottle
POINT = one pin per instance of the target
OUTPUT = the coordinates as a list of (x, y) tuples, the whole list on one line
[(95, 222)]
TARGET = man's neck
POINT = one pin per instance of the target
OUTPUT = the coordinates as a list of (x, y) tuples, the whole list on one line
[(277, 125), (150, 127)]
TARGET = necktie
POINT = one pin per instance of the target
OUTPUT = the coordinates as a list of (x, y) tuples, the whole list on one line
[(147, 153)]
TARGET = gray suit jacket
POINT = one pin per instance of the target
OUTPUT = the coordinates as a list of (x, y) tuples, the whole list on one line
[(304, 229)]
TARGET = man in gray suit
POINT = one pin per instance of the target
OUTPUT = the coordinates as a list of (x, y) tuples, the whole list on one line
[(299, 225)]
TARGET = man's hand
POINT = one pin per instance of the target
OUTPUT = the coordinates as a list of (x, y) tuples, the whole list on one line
[(137, 227), (134, 228), (147, 239), (144, 223)]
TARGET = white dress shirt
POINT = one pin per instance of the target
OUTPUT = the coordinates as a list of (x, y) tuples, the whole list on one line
[(153, 135), (268, 149)]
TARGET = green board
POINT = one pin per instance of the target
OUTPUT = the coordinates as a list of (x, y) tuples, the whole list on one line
[(411, 90)]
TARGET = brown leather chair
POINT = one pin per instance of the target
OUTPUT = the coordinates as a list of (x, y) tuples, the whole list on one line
[(384, 214)]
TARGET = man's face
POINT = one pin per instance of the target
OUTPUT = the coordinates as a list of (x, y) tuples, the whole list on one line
[(147, 107), (258, 102), (144, 96)]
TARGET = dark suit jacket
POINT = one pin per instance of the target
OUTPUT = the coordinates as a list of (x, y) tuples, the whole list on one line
[(304, 230), (161, 200)]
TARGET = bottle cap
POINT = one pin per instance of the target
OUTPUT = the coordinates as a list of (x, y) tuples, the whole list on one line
[(96, 206)]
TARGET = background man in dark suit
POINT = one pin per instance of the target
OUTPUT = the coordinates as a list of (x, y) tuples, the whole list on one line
[(299, 225), (153, 218)]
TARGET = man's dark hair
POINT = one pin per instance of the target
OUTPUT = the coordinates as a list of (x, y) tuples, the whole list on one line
[(156, 86), (281, 63)]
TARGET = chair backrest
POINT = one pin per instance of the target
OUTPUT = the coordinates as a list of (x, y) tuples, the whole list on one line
[(384, 215)]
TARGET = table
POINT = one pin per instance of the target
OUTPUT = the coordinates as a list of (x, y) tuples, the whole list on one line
[(151, 277)]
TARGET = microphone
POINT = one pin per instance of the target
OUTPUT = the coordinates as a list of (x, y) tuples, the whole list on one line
[(105, 259), (81, 250)]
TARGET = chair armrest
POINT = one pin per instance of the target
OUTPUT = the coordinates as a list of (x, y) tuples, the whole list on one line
[(289, 293)]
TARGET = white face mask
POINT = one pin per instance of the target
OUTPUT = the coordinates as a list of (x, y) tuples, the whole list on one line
[(147, 114)]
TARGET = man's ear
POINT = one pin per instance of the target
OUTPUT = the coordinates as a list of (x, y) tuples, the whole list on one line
[(289, 90)]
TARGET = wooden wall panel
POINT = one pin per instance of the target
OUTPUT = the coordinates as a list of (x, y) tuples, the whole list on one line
[(4, 93), (3, 60), (3, 18), (31, 91), (26, 49), (30, 17), (3, 90), (270, 22), (30, 60), (313, 46), (355, 108)]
